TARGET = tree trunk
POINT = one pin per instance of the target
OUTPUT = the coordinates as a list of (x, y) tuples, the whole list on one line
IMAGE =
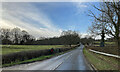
[(118, 33), (118, 37), (102, 38)]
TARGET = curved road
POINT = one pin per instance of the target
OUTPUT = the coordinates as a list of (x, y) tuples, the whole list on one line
[(73, 60)]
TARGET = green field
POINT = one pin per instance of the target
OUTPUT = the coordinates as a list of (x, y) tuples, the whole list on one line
[(105, 42), (6, 49), (98, 42), (33, 51)]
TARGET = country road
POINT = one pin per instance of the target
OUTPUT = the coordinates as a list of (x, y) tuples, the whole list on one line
[(73, 60)]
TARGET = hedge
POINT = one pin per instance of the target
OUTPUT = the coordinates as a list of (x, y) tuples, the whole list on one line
[(25, 55)]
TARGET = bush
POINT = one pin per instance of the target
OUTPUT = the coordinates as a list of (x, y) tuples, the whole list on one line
[(25, 55)]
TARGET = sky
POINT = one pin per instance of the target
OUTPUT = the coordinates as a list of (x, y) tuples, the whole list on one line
[(47, 19)]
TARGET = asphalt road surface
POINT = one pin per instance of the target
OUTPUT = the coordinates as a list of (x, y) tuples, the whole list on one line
[(73, 60)]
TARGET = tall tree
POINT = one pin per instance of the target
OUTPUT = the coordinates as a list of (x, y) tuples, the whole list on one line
[(26, 38), (70, 37), (16, 33), (98, 28), (111, 11), (5, 36), (15, 36)]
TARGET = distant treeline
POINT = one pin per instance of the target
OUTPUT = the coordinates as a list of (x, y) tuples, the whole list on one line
[(62, 40), (17, 36)]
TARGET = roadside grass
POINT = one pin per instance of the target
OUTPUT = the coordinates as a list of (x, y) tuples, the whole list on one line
[(102, 62), (7, 49), (34, 59)]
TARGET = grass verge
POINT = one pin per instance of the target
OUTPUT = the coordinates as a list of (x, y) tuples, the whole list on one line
[(34, 59), (102, 62)]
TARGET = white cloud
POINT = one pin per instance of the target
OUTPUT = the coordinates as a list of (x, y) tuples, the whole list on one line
[(83, 35), (81, 7), (29, 18), (80, 4)]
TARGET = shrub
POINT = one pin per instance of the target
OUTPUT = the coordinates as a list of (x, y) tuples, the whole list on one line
[(25, 55)]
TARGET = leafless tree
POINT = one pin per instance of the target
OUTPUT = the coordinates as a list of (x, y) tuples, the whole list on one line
[(16, 33), (70, 37), (98, 28), (111, 18), (5, 35)]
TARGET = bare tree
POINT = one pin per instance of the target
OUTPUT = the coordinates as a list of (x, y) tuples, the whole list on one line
[(5, 36), (15, 36), (111, 18), (16, 33), (98, 28), (26, 38), (70, 37)]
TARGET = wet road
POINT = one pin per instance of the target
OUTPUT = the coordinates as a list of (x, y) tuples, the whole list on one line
[(73, 60), (76, 61)]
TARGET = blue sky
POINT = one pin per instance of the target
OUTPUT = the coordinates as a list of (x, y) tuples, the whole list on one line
[(47, 19), (67, 15)]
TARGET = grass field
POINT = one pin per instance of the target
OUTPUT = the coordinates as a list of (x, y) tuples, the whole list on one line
[(6, 49), (105, 42), (97, 43), (102, 62), (24, 55)]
